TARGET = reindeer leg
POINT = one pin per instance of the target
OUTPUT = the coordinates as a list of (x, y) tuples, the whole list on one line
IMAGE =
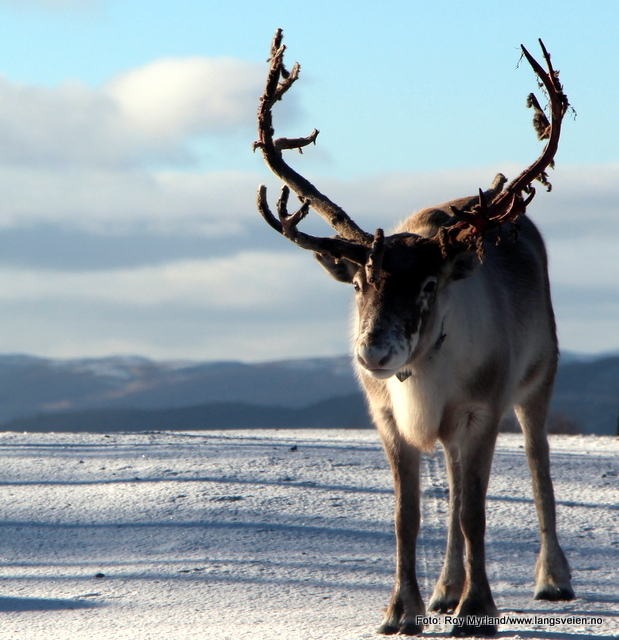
[(476, 450), (406, 603), (450, 584), (552, 571)]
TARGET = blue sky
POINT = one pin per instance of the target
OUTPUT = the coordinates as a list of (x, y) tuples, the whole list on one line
[(128, 222), (445, 62)]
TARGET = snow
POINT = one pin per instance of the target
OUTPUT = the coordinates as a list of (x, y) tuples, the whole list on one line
[(272, 535)]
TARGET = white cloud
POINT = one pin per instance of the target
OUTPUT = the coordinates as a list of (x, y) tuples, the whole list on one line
[(255, 281), (68, 124), (143, 114), (115, 201), (111, 200), (251, 306), (587, 261), (177, 97), (96, 330)]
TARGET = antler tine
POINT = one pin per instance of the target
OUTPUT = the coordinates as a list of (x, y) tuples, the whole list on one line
[(338, 248), (279, 80), (288, 221), (374, 262), (265, 211)]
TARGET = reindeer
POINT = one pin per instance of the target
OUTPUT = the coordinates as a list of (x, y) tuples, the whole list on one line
[(454, 326)]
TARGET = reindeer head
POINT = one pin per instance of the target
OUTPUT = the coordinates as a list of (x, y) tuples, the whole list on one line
[(397, 278), (395, 306)]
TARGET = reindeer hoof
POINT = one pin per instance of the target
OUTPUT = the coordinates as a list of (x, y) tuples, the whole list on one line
[(411, 629), (554, 593), (468, 630), (443, 605), (405, 629), (387, 630)]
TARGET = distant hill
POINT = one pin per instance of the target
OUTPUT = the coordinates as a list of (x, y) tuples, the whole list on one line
[(137, 394), (587, 392), (346, 412), (31, 385)]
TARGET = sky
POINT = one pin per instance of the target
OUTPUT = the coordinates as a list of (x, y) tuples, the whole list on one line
[(128, 222)]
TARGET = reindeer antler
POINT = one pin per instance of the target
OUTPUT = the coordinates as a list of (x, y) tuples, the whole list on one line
[(509, 204), (279, 80), (489, 211)]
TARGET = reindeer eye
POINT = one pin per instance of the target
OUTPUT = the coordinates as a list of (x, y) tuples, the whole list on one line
[(429, 286), (356, 286)]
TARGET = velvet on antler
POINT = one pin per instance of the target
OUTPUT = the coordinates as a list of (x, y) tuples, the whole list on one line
[(512, 202)]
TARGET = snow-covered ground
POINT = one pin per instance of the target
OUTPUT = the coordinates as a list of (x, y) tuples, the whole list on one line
[(271, 535)]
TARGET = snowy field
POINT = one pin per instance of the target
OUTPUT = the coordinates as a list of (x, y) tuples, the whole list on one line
[(271, 535)]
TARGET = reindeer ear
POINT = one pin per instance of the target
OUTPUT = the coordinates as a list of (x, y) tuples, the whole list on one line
[(461, 266), (342, 270)]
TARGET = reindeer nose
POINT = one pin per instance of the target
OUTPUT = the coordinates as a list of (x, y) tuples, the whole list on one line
[(373, 358)]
